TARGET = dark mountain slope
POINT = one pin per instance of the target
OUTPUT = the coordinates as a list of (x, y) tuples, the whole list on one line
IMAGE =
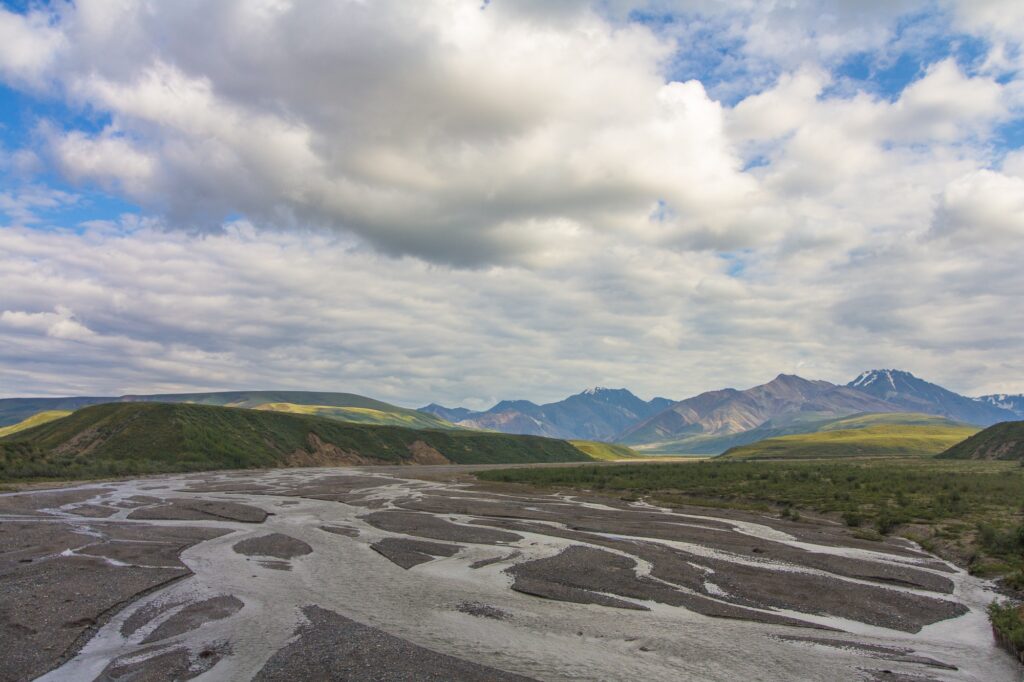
[(138, 438), (917, 395), (599, 413), (999, 441), (452, 414), (595, 414)]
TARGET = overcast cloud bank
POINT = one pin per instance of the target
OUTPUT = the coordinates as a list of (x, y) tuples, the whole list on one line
[(455, 202)]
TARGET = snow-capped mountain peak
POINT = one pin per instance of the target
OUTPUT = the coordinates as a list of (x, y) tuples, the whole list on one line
[(888, 378), (1005, 401), (917, 395)]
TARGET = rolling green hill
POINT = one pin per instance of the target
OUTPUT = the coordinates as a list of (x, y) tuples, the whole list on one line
[(999, 441), (871, 434), (35, 420), (14, 410), (860, 421), (604, 451), (253, 399), (700, 445), (710, 444), (347, 407), (395, 416), (139, 438), (802, 423)]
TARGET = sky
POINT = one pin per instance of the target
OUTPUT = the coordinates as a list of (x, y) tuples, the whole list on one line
[(459, 201)]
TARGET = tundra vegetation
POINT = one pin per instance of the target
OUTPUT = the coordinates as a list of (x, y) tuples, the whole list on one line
[(127, 439), (966, 511)]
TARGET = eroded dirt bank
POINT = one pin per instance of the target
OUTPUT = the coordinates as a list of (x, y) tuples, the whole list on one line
[(370, 574)]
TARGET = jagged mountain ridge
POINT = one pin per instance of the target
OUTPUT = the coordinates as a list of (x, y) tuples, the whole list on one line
[(452, 414), (595, 414), (1005, 401), (729, 411), (713, 421), (917, 395)]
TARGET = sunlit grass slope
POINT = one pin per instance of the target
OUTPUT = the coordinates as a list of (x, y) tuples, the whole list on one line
[(803, 423), (860, 421), (35, 420), (365, 415), (882, 439), (604, 451)]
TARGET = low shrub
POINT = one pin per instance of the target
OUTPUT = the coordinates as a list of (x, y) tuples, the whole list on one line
[(853, 519), (1008, 626)]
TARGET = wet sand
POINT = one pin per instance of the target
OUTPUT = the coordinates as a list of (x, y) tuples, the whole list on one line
[(419, 573)]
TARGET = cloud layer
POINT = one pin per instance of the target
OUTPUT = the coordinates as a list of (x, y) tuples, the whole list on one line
[(443, 200)]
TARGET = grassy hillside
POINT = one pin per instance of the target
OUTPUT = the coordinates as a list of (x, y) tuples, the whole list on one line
[(138, 438), (860, 421), (884, 439), (705, 444), (999, 441), (14, 410), (698, 445), (604, 451), (34, 420), (253, 399), (805, 422), (365, 415)]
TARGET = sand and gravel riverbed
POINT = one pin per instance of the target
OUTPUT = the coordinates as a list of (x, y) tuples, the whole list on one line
[(417, 573)]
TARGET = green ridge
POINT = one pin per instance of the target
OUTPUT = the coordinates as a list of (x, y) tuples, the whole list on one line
[(140, 438), (13, 410), (253, 399), (864, 420), (364, 415), (802, 423), (999, 441), (880, 440)]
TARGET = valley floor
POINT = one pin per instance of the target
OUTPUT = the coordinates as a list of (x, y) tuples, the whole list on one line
[(391, 573)]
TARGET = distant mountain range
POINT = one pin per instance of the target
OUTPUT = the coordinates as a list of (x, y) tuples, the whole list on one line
[(452, 414), (730, 411), (595, 414), (709, 423), (715, 421), (1013, 403)]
